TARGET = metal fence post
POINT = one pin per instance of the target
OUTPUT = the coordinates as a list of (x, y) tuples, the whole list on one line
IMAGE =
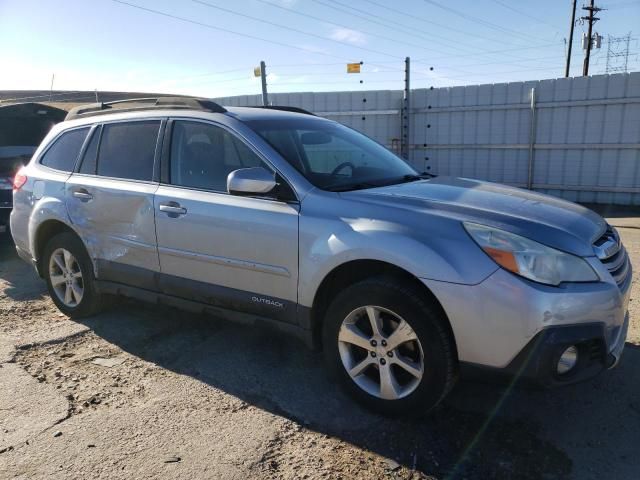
[(532, 139), (406, 111)]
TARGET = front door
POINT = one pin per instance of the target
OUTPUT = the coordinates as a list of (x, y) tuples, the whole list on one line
[(234, 252)]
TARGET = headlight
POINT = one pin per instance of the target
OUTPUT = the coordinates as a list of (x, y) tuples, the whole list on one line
[(530, 259)]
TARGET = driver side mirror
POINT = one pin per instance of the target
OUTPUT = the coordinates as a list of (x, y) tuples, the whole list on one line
[(251, 181)]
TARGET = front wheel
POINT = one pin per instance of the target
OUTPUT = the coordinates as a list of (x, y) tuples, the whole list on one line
[(69, 276), (389, 347)]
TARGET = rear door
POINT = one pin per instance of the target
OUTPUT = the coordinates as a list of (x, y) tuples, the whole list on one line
[(239, 253), (110, 200)]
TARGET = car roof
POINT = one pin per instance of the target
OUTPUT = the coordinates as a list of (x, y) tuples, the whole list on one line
[(267, 113), (240, 113)]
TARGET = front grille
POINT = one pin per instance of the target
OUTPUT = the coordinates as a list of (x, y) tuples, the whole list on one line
[(613, 255), (594, 350)]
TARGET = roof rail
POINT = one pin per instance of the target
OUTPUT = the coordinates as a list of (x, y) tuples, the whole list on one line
[(286, 109), (152, 103)]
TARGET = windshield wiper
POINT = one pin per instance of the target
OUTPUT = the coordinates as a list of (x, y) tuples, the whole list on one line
[(350, 186), (412, 178), (362, 185), (419, 176)]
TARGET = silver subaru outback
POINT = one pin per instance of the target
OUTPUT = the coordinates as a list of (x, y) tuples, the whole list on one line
[(274, 215)]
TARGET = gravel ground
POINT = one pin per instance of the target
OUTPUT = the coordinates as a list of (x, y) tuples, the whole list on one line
[(144, 392)]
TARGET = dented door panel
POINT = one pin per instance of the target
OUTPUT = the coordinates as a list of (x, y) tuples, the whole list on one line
[(115, 219)]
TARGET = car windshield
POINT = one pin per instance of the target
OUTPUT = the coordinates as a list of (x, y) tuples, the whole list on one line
[(332, 156)]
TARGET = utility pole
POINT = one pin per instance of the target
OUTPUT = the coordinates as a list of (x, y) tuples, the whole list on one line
[(573, 23), (592, 9), (263, 78), (406, 110), (53, 76)]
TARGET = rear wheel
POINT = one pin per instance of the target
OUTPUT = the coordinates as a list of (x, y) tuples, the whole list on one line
[(69, 275), (389, 347)]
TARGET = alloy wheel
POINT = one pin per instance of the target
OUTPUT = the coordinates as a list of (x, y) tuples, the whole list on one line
[(381, 352), (66, 277)]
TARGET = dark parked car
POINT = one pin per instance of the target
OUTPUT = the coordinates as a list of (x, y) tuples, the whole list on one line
[(22, 128)]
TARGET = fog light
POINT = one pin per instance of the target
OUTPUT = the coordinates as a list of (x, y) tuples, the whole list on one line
[(568, 360)]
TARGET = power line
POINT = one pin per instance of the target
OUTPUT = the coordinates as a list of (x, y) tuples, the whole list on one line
[(289, 28), (237, 79), (314, 64), (214, 73), (520, 12), (387, 23), (395, 25), (313, 17), (306, 64), (618, 54), (616, 6), (463, 32), (475, 54), (226, 30), (575, 54), (344, 82), (510, 71), (366, 63), (328, 74), (474, 19), (516, 62), (500, 51), (534, 66)]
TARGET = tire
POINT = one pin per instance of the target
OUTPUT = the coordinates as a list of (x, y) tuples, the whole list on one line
[(72, 274), (410, 387)]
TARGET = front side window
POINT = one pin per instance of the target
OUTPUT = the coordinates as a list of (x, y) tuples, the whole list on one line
[(203, 155), (62, 155), (127, 150), (332, 156)]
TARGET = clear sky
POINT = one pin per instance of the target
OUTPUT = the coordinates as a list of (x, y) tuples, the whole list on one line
[(213, 45)]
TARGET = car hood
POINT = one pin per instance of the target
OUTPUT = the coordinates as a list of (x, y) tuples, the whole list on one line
[(549, 220)]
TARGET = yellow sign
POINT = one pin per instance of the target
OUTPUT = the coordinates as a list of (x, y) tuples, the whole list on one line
[(256, 72), (353, 68)]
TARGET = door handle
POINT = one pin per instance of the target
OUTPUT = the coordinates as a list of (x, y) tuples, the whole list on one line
[(82, 194), (173, 209)]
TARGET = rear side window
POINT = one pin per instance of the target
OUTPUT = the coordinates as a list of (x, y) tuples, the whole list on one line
[(62, 155), (127, 150)]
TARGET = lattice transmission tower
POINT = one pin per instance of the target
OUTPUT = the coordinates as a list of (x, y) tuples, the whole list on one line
[(618, 53)]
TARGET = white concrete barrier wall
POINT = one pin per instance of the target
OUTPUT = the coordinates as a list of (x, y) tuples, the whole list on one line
[(584, 145)]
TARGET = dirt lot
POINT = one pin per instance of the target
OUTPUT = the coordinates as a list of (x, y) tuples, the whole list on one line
[(143, 392)]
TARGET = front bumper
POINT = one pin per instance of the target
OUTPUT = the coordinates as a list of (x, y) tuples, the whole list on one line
[(537, 363), (515, 327)]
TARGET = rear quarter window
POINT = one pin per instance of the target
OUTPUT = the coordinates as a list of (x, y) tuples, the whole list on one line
[(63, 154)]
